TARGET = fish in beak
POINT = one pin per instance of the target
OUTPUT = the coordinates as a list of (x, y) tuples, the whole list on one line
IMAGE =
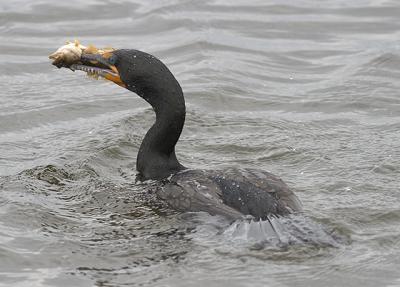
[(95, 62)]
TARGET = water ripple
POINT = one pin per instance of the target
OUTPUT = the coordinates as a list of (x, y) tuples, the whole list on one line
[(306, 91)]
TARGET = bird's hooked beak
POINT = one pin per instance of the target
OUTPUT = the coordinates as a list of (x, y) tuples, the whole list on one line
[(95, 62), (99, 65)]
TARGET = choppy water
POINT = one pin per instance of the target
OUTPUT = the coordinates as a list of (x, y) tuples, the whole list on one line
[(306, 89)]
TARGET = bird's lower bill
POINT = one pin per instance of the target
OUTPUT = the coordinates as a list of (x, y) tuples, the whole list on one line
[(97, 65), (108, 74)]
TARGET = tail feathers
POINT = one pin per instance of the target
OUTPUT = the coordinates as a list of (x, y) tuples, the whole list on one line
[(277, 231)]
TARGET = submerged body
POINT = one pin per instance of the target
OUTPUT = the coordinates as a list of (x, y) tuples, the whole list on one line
[(232, 193)]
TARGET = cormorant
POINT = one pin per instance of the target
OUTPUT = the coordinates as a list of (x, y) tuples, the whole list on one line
[(233, 193)]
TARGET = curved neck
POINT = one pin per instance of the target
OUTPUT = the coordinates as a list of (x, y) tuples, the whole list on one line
[(156, 158)]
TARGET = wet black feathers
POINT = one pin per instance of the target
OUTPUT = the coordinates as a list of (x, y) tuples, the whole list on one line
[(232, 193)]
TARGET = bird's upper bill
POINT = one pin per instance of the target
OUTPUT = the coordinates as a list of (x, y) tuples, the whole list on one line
[(95, 62)]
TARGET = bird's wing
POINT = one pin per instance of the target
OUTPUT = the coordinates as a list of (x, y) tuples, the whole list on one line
[(269, 183), (186, 192)]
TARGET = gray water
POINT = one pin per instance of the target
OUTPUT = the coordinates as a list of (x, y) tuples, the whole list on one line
[(308, 90)]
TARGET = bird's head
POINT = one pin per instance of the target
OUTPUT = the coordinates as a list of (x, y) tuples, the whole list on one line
[(137, 71)]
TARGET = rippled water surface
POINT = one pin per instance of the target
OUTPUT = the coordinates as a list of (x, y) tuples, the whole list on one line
[(308, 90)]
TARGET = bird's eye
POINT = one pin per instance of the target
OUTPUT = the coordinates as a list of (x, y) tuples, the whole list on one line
[(112, 60)]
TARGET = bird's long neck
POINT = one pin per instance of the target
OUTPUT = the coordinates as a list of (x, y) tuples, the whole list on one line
[(156, 158)]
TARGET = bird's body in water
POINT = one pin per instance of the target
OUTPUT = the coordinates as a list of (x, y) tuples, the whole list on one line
[(232, 193)]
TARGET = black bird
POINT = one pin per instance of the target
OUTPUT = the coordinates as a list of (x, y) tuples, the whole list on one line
[(233, 193)]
